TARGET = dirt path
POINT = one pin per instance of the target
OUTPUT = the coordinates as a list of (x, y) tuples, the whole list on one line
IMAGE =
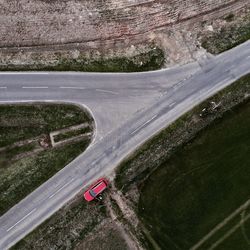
[(127, 214)]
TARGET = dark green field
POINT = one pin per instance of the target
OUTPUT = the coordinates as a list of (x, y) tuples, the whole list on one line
[(200, 187)]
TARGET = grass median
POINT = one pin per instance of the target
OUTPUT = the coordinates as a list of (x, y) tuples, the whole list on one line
[(26, 158)]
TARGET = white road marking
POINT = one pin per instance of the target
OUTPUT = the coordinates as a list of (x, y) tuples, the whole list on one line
[(34, 87), (172, 104), (3, 87), (66, 184), (181, 82), (143, 124), (24, 73), (22, 219), (107, 91), (62, 87)]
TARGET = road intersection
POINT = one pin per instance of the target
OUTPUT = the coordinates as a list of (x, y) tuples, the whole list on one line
[(128, 109)]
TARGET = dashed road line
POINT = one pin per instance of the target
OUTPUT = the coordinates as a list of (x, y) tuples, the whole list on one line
[(143, 125), (21, 219), (24, 73), (3, 87), (66, 184), (107, 91), (62, 87), (172, 104), (34, 87)]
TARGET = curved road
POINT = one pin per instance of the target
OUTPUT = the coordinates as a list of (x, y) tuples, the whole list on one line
[(128, 109)]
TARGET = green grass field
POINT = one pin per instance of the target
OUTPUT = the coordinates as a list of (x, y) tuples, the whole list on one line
[(199, 198), (20, 122), (19, 177)]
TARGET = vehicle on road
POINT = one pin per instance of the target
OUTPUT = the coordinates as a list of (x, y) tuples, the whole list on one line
[(95, 190)]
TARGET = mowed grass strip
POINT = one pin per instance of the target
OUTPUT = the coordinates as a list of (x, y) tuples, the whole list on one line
[(200, 185), (10, 153), (19, 122)]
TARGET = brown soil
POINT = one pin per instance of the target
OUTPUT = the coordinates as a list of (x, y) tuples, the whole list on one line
[(46, 32), (107, 235)]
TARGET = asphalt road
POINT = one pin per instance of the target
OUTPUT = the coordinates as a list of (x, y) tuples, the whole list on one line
[(128, 109)]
